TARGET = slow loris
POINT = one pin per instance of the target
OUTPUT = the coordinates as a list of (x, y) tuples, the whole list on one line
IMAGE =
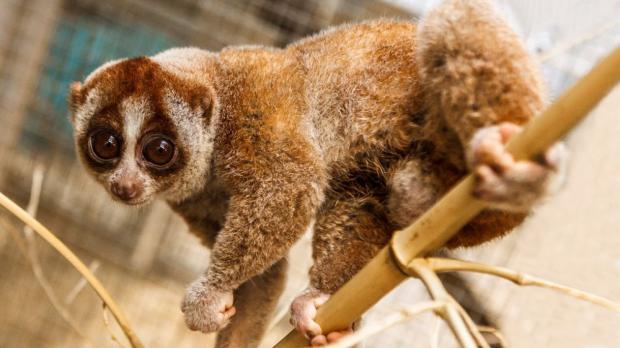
[(359, 128)]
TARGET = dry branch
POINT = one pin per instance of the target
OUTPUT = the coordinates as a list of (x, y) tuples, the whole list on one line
[(106, 324), (457, 207), (440, 265), (446, 307), (81, 283), (474, 330), (498, 335), (566, 46), (402, 315), (27, 247), (450, 312), (94, 282), (434, 336)]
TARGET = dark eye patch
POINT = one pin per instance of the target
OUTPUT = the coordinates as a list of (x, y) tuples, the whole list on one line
[(104, 145), (159, 151), (160, 148)]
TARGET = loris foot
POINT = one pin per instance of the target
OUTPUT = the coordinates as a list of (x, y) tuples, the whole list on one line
[(205, 309), (500, 180), (303, 312)]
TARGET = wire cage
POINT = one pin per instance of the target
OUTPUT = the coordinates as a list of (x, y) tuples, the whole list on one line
[(145, 256)]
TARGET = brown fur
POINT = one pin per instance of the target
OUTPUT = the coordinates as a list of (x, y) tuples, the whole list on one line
[(361, 127)]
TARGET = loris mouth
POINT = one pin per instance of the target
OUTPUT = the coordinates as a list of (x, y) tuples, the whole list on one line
[(137, 201)]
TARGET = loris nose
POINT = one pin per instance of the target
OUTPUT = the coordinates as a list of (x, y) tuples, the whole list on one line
[(125, 189)]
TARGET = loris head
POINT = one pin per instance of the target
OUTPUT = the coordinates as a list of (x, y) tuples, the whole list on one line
[(144, 129)]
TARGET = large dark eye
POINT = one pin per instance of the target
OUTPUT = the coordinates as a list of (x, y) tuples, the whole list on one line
[(104, 146), (158, 150)]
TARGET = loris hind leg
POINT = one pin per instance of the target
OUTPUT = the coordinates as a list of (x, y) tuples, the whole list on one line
[(415, 185), (350, 231), (255, 301), (347, 234)]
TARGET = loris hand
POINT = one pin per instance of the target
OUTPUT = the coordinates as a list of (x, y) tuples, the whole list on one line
[(205, 309), (303, 312), (500, 180)]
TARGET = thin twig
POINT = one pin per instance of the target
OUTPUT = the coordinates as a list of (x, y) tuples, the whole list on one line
[(33, 203), (473, 328), (106, 324), (565, 46), (81, 283), (45, 285), (434, 337), (29, 250), (402, 315), (50, 238), (426, 270), (496, 333), (16, 236), (463, 334), (440, 265)]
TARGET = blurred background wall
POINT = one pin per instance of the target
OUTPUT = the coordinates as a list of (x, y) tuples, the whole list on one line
[(145, 256)]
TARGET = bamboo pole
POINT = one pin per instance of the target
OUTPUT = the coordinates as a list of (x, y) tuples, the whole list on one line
[(457, 207)]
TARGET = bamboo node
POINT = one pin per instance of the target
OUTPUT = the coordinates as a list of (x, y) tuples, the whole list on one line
[(399, 260)]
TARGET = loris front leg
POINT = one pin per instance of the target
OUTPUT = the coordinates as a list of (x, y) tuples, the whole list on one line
[(255, 301), (275, 190)]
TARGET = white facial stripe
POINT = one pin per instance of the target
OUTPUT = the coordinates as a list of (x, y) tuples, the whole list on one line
[(87, 110), (134, 111)]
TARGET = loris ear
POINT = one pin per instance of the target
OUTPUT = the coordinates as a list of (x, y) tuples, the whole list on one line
[(204, 100), (76, 98), (207, 106)]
